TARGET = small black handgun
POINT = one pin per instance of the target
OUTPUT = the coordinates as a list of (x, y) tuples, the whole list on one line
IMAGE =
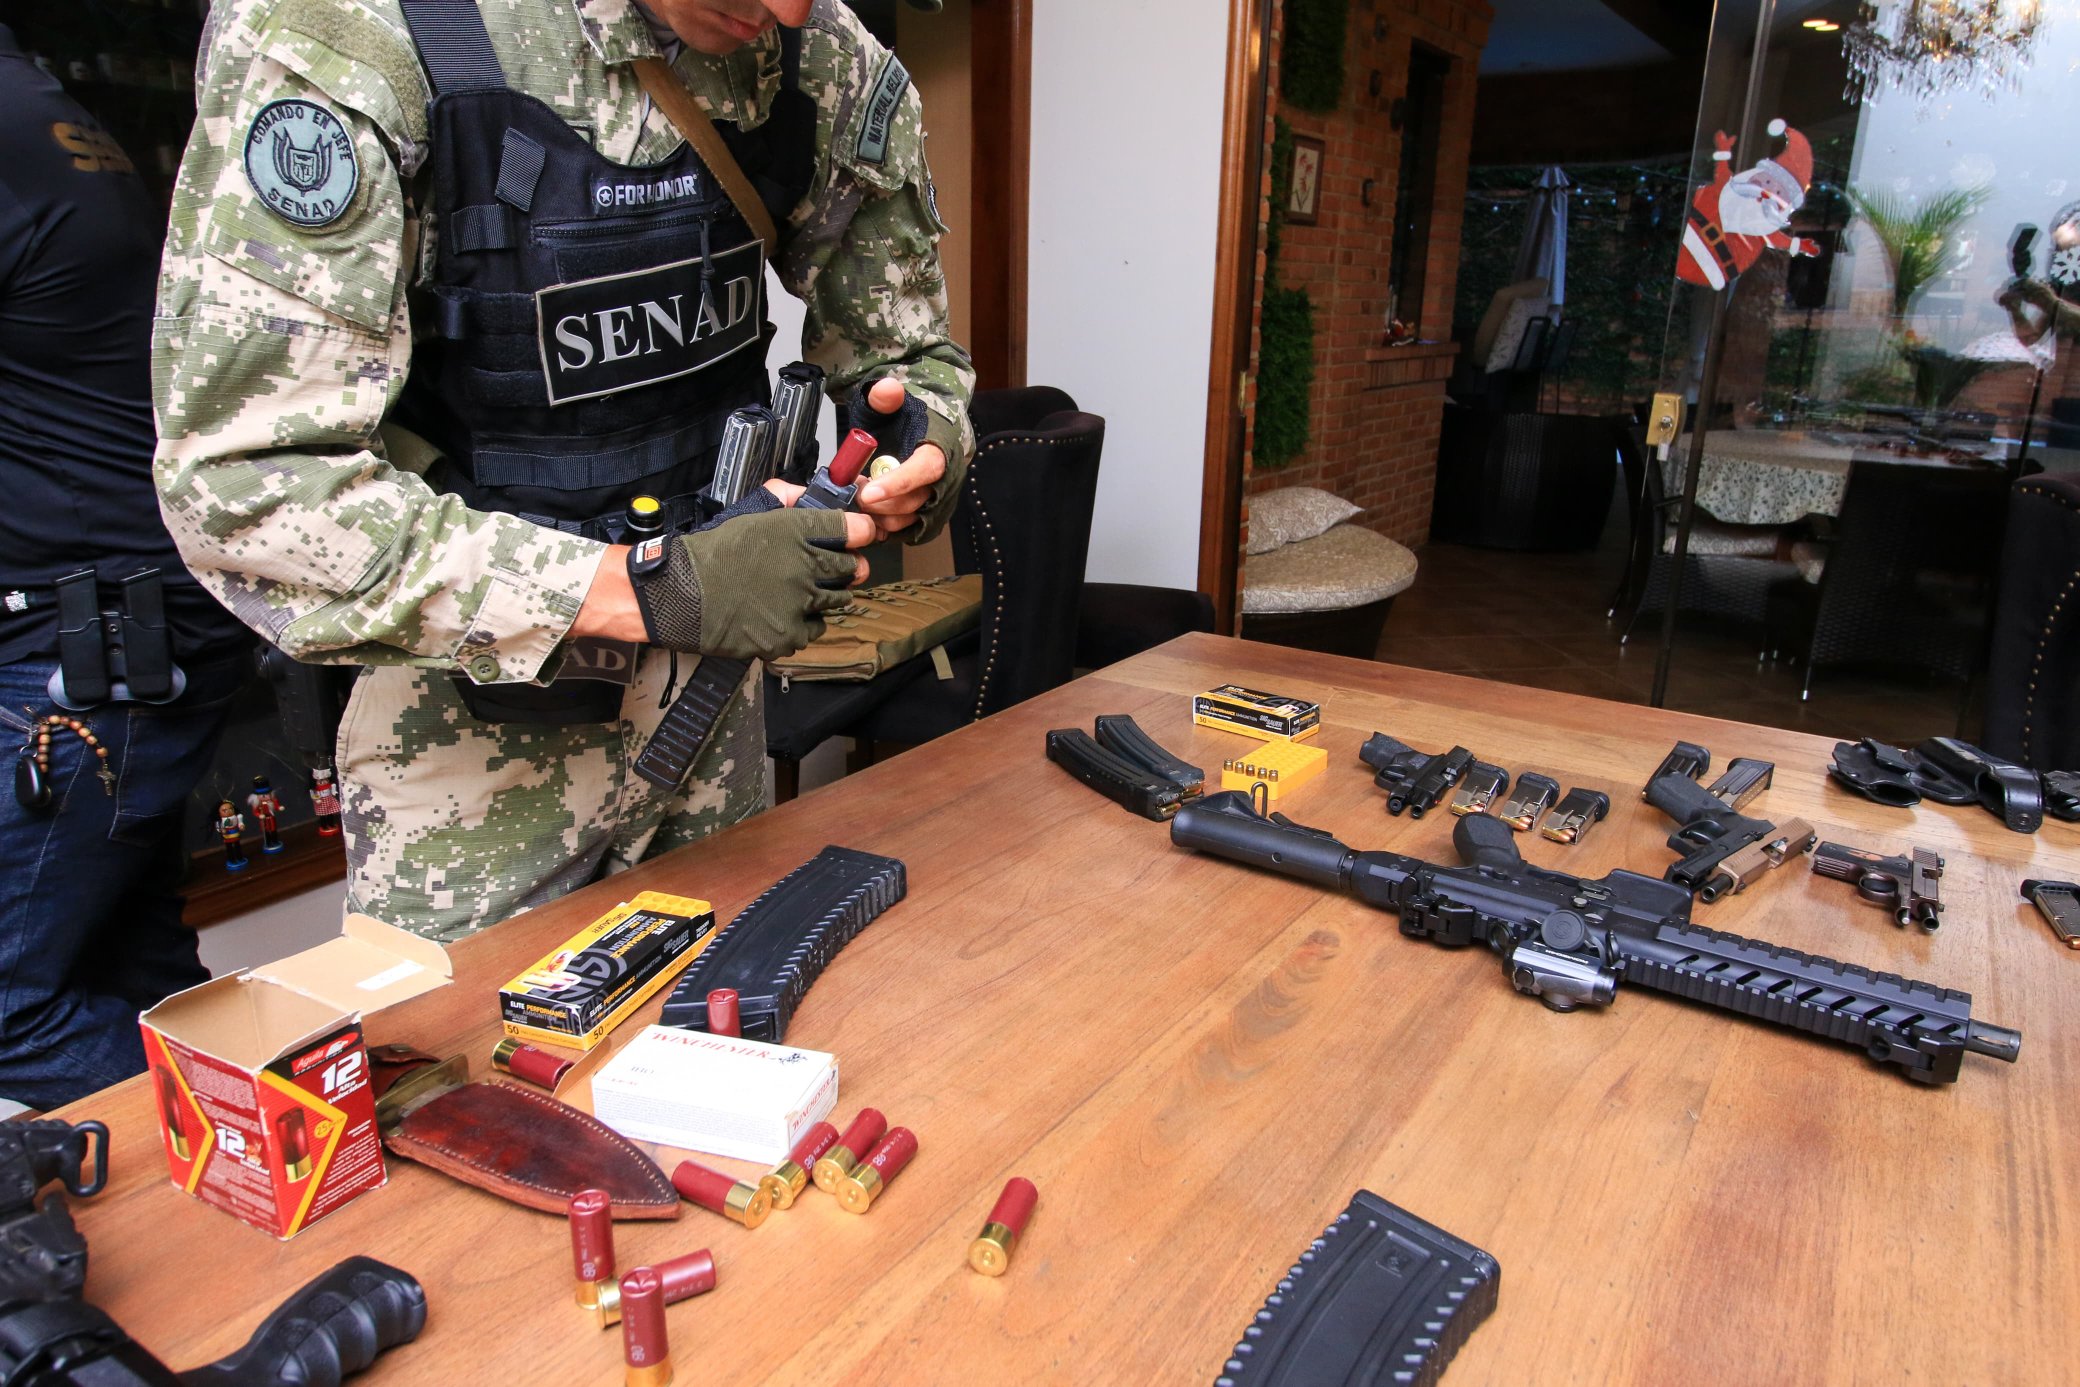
[(1909, 886), (1413, 780), (1722, 850)]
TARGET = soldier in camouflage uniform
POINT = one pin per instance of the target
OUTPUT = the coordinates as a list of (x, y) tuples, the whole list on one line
[(293, 289)]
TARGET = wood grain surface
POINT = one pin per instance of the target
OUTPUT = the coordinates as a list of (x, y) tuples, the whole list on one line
[(1198, 1064)]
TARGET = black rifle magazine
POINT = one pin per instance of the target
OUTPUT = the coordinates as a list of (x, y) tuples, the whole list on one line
[(667, 759), (1381, 1297), (1132, 787), (780, 943), (1119, 734)]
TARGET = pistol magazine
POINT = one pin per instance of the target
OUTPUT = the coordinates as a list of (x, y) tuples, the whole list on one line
[(2059, 903), (1573, 817), (1480, 788), (1535, 794)]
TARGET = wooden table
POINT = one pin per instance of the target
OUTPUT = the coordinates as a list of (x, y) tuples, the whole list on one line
[(1199, 1064)]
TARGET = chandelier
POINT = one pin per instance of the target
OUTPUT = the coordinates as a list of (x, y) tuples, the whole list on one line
[(1928, 47)]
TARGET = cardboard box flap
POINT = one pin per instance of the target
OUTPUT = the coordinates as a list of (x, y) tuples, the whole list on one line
[(370, 966), (241, 1022)]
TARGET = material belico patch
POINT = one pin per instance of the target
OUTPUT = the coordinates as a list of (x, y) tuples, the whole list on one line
[(618, 332), (882, 104), (300, 161)]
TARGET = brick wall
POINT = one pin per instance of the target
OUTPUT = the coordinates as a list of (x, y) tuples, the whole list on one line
[(1376, 415)]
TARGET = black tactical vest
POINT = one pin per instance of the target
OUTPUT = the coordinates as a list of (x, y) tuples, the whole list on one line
[(590, 325)]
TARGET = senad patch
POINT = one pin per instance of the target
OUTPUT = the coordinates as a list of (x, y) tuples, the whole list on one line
[(300, 161)]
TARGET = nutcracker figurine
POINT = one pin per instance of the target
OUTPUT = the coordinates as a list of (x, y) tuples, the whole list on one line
[(230, 824), (266, 809), (325, 799)]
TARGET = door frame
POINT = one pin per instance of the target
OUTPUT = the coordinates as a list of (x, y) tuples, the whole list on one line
[(1238, 288), (1001, 107)]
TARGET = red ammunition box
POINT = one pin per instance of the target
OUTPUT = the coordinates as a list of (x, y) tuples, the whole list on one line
[(265, 1105)]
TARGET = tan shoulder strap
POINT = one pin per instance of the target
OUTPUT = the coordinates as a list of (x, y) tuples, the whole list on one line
[(682, 110)]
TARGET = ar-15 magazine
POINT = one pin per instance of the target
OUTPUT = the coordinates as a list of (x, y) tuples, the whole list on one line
[(780, 943), (1381, 1297)]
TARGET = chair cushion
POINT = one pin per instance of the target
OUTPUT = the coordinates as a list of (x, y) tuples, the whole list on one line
[(1347, 567), (1498, 309), (1516, 321), (1293, 513), (1727, 541), (1811, 557)]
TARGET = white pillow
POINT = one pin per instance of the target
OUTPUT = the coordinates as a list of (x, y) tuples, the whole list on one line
[(1293, 513)]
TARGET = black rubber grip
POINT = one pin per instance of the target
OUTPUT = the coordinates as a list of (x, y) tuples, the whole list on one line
[(1486, 841), (1122, 736), (1684, 800), (331, 1329), (668, 757), (1380, 1297), (780, 943), (1136, 790)]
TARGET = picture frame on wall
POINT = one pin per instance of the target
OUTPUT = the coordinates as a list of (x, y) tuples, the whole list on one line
[(1304, 191)]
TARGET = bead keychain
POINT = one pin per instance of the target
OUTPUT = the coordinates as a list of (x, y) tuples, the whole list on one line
[(32, 768)]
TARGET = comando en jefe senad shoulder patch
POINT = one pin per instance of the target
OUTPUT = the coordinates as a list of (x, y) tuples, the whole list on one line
[(300, 161)]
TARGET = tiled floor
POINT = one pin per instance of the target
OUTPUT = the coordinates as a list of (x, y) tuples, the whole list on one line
[(1538, 619)]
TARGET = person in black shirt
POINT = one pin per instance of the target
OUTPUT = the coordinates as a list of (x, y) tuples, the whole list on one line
[(90, 915)]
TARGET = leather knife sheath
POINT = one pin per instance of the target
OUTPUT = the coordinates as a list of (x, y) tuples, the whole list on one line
[(518, 1144)]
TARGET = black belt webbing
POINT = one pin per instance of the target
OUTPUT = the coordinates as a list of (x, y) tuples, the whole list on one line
[(453, 45)]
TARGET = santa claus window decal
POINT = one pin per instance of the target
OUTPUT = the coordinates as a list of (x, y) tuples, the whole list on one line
[(1737, 216)]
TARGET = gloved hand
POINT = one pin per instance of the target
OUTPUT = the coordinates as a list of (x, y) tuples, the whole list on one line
[(753, 588)]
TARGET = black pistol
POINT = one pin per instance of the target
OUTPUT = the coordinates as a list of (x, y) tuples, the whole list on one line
[(1413, 780), (1570, 941), (1722, 850)]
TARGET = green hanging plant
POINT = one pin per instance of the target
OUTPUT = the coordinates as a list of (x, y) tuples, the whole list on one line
[(1310, 64), (1285, 376)]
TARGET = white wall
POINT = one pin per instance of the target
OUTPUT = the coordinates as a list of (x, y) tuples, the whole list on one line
[(1125, 194)]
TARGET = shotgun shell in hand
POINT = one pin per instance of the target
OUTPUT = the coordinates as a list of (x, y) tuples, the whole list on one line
[(722, 1012), (525, 1062), (711, 1189), (852, 457), (837, 1163), (990, 1253), (592, 1247), (644, 1345), (857, 1191), (788, 1179), (882, 466)]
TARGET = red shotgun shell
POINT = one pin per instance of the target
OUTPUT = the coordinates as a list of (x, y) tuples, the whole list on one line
[(174, 1113), (852, 457), (592, 1247), (990, 1253), (730, 1197), (857, 1192), (722, 1012), (525, 1062), (295, 1135), (645, 1346), (785, 1181), (838, 1162)]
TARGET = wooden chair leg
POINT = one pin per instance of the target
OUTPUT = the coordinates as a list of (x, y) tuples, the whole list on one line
[(787, 779)]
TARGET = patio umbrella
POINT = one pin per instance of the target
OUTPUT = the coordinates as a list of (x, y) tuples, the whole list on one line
[(1542, 253)]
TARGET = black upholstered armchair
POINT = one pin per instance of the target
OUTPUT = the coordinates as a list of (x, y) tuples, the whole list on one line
[(2033, 678)]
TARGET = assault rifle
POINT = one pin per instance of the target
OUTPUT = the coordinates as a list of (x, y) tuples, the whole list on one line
[(1570, 941)]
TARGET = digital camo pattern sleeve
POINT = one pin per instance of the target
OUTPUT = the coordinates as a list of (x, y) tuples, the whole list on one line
[(862, 251), (282, 340)]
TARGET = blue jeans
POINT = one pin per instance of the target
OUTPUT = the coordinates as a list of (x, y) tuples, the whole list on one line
[(90, 906)]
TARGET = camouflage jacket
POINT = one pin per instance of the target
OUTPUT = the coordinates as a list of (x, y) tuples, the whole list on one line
[(279, 349)]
